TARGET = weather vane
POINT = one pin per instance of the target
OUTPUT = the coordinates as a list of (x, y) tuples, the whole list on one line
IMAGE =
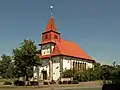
[(51, 8)]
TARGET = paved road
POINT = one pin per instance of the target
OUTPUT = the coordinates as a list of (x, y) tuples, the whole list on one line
[(74, 88), (54, 88)]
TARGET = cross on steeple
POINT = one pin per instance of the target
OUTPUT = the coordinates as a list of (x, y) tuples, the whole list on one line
[(51, 8)]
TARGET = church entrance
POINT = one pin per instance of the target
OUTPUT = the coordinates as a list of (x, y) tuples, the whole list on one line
[(44, 75)]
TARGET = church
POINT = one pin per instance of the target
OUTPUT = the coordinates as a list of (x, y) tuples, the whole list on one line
[(59, 54)]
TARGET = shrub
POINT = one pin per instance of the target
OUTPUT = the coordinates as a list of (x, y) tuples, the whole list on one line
[(69, 82), (65, 82), (60, 82), (19, 83), (75, 82), (33, 83), (52, 82), (7, 83), (46, 83)]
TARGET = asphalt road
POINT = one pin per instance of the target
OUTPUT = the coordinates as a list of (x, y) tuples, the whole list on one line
[(52, 88)]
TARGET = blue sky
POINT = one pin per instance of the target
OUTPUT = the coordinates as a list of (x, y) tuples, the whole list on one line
[(93, 24)]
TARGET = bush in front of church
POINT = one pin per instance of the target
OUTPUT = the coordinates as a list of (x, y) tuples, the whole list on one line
[(33, 83), (52, 82), (75, 82), (60, 82), (46, 83), (65, 82), (69, 82), (7, 83), (19, 83)]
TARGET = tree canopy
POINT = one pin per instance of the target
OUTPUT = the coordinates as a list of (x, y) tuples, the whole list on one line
[(6, 67), (25, 58)]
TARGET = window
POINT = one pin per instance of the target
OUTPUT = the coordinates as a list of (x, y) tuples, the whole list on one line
[(46, 36), (55, 36), (54, 61), (44, 52), (48, 51), (68, 61)]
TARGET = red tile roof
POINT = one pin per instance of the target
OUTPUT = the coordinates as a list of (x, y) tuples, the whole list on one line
[(67, 48), (51, 25), (71, 49)]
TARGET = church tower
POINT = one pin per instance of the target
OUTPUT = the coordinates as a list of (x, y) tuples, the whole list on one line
[(49, 36)]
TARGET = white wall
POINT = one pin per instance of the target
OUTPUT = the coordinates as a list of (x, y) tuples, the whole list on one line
[(44, 67), (68, 63), (56, 71), (89, 65), (45, 50), (56, 67), (40, 72)]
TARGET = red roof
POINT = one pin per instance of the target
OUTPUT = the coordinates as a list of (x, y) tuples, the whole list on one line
[(64, 47), (67, 48), (71, 49), (51, 25)]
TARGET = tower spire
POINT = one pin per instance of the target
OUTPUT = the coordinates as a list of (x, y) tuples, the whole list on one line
[(51, 24)]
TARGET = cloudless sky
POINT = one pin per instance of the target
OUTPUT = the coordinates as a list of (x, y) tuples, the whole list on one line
[(93, 24)]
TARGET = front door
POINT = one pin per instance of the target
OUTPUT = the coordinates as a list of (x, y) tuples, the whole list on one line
[(44, 75)]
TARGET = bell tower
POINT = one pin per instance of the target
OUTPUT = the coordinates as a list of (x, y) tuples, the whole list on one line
[(49, 37), (50, 34)]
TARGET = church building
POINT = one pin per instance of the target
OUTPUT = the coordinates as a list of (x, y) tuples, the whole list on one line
[(59, 54)]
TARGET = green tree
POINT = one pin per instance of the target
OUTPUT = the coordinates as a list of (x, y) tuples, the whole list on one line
[(106, 72), (68, 73), (25, 58), (6, 67)]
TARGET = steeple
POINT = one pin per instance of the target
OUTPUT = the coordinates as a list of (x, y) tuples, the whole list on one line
[(50, 34), (51, 25)]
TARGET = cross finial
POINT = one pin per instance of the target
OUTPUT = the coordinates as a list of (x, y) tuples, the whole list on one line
[(51, 7)]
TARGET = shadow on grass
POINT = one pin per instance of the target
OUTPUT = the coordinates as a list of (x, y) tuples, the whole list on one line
[(111, 86)]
